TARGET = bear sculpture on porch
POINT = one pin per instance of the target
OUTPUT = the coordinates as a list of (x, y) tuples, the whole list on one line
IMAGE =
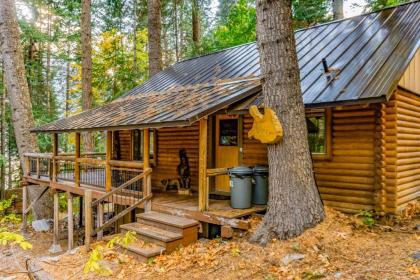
[(183, 182)]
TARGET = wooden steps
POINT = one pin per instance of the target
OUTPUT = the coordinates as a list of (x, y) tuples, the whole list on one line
[(168, 232), (141, 252)]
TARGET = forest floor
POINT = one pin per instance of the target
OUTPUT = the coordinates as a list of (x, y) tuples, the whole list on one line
[(341, 247)]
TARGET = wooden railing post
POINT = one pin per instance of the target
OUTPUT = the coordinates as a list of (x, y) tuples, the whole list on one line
[(108, 156), (27, 166), (147, 181), (54, 154), (76, 163), (88, 218), (203, 188), (38, 163)]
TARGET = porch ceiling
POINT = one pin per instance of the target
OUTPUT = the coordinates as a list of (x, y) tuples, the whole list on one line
[(178, 106)]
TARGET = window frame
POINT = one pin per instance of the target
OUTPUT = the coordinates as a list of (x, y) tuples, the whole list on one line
[(327, 155), (153, 160)]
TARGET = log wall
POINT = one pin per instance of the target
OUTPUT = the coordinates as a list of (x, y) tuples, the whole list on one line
[(410, 80), (402, 151), (125, 144), (169, 142), (347, 180)]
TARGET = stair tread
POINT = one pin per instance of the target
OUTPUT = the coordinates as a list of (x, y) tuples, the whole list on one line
[(153, 232), (146, 252), (171, 220)]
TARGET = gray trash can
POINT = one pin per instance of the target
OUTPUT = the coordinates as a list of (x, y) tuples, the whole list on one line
[(240, 187), (260, 186)]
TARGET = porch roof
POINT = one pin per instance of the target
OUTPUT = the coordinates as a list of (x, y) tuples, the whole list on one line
[(367, 56), (178, 106)]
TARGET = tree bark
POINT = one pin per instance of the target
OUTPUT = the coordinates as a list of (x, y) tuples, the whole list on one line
[(18, 92), (154, 36), (2, 134), (294, 203), (196, 26), (338, 10), (16, 83), (86, 43)]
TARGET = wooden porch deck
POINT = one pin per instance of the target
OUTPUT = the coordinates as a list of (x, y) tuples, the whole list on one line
[(220, 212)]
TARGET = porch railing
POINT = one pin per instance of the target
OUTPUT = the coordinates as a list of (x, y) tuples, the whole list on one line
[(88, 169)]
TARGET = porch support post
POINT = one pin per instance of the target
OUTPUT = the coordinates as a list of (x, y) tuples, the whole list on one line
[(70, 221), (88, 218), (76, 157), (54, 154), (147, 183), (108, 156), (100, 220), (24, 206), (203, 188), (55, 247)]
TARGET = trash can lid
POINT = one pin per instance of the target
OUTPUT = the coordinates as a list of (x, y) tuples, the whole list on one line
[(261, 169), (240, 170)]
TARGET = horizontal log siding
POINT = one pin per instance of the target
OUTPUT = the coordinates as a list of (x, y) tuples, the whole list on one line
[(169, 142), (407, 141), (253, 151), (347, 180), (125, 144)]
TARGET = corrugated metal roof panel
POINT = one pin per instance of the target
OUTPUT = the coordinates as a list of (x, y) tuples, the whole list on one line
[(367, 54)]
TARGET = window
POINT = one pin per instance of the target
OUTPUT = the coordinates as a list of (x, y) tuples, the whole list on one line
[(318, 124), (228, 132), (138, 144)]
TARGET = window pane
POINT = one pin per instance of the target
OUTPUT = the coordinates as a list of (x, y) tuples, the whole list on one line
[(228, 132), (316, 133)]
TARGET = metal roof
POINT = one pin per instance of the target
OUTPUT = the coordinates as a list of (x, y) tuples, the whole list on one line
[(367, 55)]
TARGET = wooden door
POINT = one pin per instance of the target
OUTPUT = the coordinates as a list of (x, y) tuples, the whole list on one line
[(226, 148)]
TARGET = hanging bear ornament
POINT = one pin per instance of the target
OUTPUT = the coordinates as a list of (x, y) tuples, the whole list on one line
[(266, 128)]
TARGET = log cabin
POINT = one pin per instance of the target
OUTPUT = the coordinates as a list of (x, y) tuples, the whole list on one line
[(360, 81)]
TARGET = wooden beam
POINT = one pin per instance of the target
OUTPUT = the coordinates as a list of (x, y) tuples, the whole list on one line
[(55, 247), (70, 223), (147, 183), (108, 157), (76, 163), (203, 188), (24, 206), (88, 218), (54, 154)]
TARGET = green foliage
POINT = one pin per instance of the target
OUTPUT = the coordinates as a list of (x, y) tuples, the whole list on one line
[(375, 5), (309, 275), (95, 263), (11, 238), (367, 218), (309, 12), (10, 218), (237, 28), (6, 204)]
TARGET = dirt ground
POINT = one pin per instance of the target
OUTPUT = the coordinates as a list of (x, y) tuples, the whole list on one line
[(341, 247)]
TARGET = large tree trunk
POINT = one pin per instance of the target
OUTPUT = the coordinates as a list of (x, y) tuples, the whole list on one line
[(294, 203), (17, 85), (196, 26), (2, 133), (18, 92), (338, 10), (86, 42), (154, 30)]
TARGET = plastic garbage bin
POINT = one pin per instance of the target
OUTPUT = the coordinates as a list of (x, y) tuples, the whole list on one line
[(260, 186), (240, 187)]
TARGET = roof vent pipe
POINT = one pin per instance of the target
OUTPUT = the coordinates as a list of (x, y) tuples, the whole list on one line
[(325, 65)]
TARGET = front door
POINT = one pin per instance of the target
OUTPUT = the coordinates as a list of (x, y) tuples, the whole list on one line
[(226, 148)]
